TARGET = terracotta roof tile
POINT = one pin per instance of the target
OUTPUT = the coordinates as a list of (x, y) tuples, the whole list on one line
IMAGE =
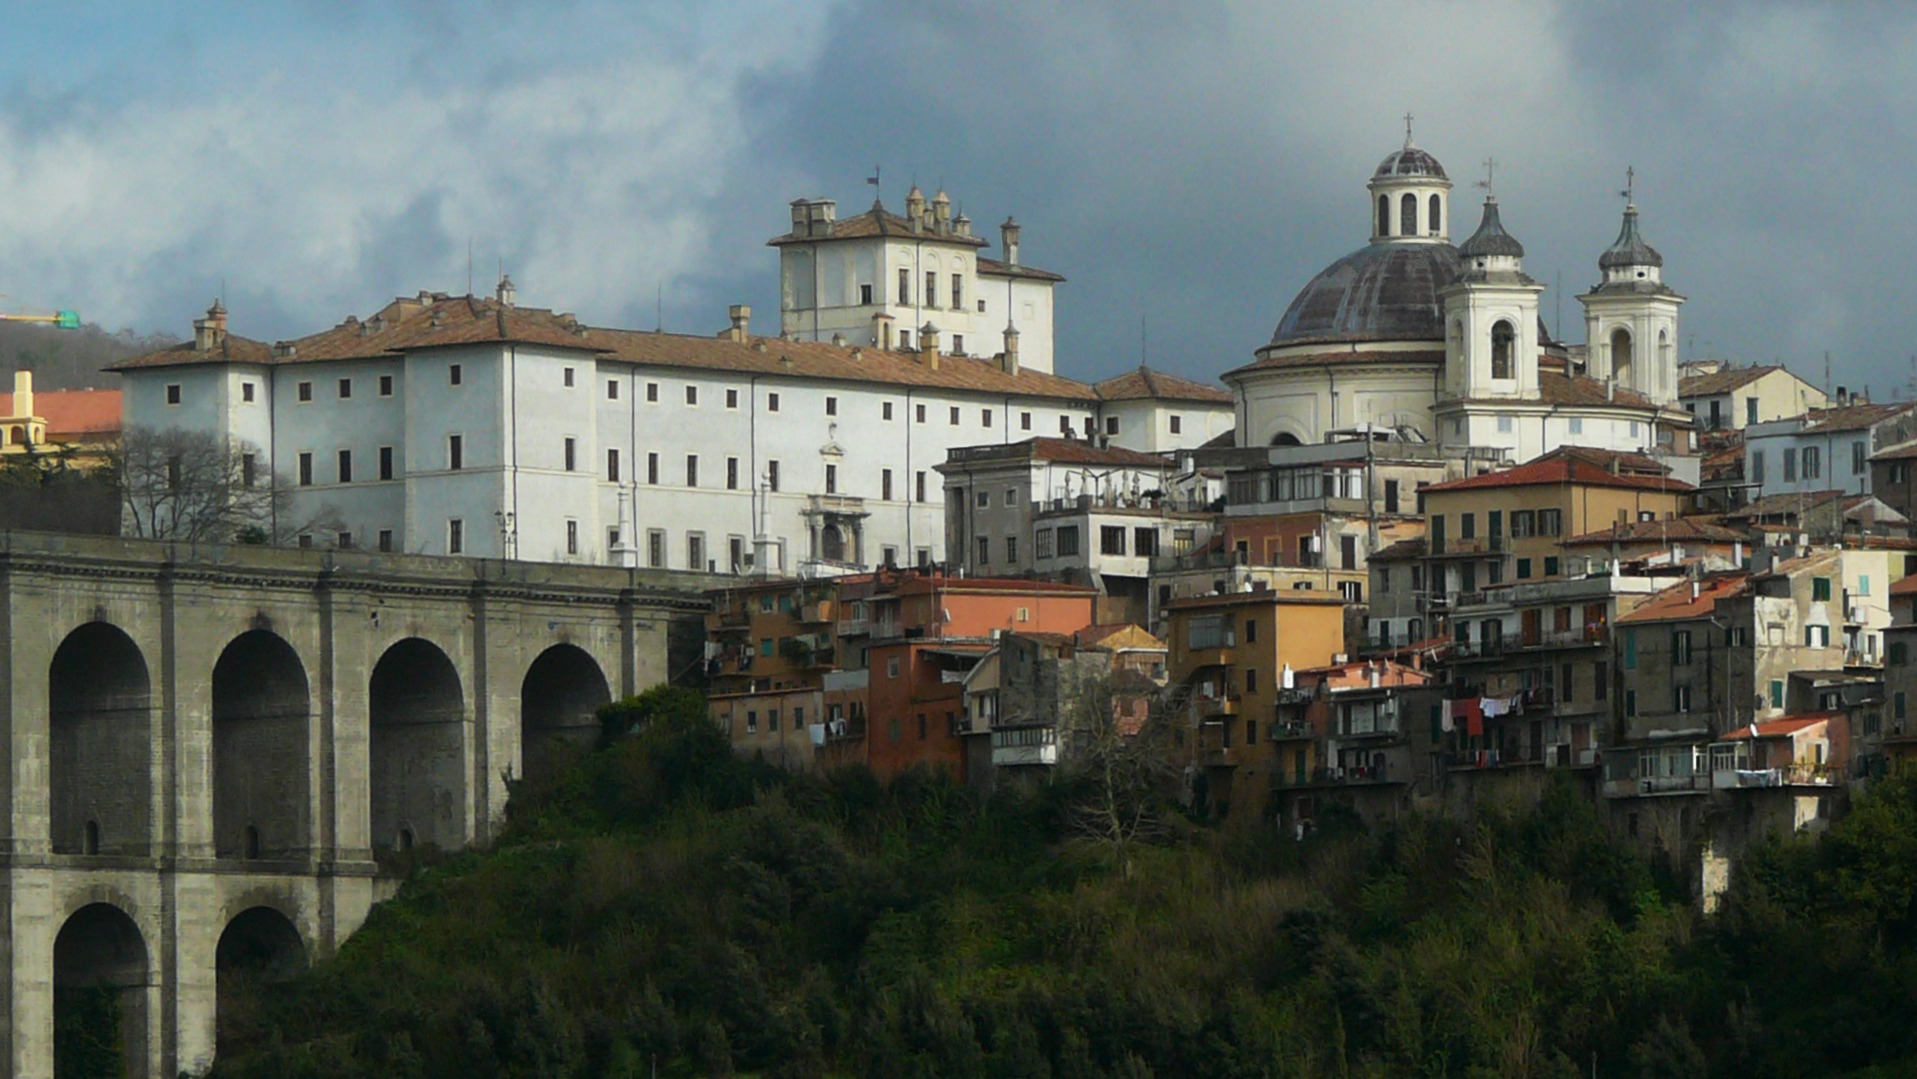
[(1350, 357), (878, 221), (73, 415), (1147, 384), (994, 268), (1677, 528), (1852, 417), (1676, 604), (1778, 728), (1069, 451), (1724, 381), (1557, 468)]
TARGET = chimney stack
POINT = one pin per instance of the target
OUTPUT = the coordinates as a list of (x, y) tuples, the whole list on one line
[(23, 394), (929, 345), (1011, 349), (505, 293), (209, 333), (741, 316), (1008, 241)]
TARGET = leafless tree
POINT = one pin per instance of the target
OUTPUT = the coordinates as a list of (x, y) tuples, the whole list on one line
[(196, 487), (1115, 748)]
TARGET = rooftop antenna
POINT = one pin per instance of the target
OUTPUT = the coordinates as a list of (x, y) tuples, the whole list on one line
[(1144, 340), (469, 265), (659, 307)]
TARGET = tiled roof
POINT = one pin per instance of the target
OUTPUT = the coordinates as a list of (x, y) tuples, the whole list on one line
[(1676, 604), (994, 268), (1724, 381), (1402, 550), (1677, 528), (1073, 451), (1852, 417), (1554, 469), (1778, 728), (1786, 504), (433, 321), (1147, 384), (1905, 586), (1902, 452), (1117, 635), (878, 221), (73, 414)]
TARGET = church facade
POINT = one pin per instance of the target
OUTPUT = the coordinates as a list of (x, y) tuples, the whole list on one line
[(1421, 340)]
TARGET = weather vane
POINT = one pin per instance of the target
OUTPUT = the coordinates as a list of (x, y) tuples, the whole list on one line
[(1490, 170), (1630, 185)]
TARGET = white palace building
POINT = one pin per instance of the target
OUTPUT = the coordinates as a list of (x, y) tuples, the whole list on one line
[(475, 426)]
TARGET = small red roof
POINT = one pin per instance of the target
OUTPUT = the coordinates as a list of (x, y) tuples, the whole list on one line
[(72, 415), (1547, 471), (1677, 604), (1778, 728)]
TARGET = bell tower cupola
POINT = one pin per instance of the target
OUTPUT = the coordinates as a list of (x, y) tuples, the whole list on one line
[(1630, 317), (1491, 317), (1410, 197)]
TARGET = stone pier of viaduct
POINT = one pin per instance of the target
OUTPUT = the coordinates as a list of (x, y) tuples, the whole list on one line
[(207, 746)]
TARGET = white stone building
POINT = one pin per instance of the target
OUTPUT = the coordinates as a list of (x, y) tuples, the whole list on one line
[(1824, 449)]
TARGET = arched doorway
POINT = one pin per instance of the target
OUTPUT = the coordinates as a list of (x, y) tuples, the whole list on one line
[(1621, 356), (99, 708), (261, 782), (416, 748), (100, 976), (259, 947), (557, 703)]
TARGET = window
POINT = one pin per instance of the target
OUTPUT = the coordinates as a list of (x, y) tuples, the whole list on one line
[(386, 539), (831, 406), (1111, 425), (696, 550), (1577, 425), (1601, 681), (1408, 215), (1813, 463), (955, 416), (752, 721), (1391, 496), (455, 374), (345, 388), (565, 377), (772, 402), (1820, 588), (1757, 466), (692, 395), (173, 393), (1551, 565), (1025, 421), (1680, 647), (612, 465), (931, 288), (1524, 568), (304, 392), (958, 298), (1067, 541), (249, 471), (1790, 465), (1251, 680), (732, 399), (1680, 698), (1177, 425), (306, 540), (455, 536), (985, 417), (905, 286), (612, 389), (652, 392), (1467, 526), (1503, 341), (919, 413), (572, 536), (885, 484), (1523, 523), (1384, 215), (1145, 542), (1251, 631), (832, 479), (1043, 543), (306, 470), (1899, 653), (1750, 410), (1011, 496), (865, 295), (1630, 649), (1111, 540), (1817, 636), (652, 468), (1506, 425), (1011, 550), (1550, 522), (656, 548), (692, 470), (246, 393), (732, 473), (1630, 702), (885, 411), (984, 499), (772, 475), (919, 486), (346, 466), (571, 454), (1777, 693), (984, 549), (1898, 708)]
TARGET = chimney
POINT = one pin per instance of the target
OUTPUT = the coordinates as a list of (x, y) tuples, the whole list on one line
[(1842, 396), (23, 393), (741, 316), (505, 293), (1011, 349), (1008, 241), (915, 208), (209, 333), (929, 345)]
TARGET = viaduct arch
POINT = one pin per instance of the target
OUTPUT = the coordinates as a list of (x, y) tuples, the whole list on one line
[(207, 747)]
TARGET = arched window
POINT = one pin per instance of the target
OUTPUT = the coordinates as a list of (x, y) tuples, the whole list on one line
[(1384, 216), (1502, 340), (90, 841), (1408, 215), (1621, 354), (1431, 222), (832, 543), (1286, 438)]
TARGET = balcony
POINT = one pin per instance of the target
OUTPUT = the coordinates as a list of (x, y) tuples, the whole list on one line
[(835, 505), (732, 618), (1857, 657), (837, 732), (816, 611), (1289, 730), (1215, 656), (1588, 637), (1211, 708), (1793, 775), (1651, 786), (1435, 603), (1474, 545), (1296, 696)]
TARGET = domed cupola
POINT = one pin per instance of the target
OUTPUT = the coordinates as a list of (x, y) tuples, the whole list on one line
[(1629, 259), (1410, 196), (1490, 241)]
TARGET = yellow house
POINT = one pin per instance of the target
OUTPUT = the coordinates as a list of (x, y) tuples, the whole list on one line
[(1230, 658)]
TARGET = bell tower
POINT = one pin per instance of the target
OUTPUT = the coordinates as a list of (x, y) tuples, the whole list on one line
[(1491, 317), (1630, 317)]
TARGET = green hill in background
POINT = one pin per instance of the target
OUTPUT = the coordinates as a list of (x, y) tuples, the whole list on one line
[(68, 359), (661, 900)]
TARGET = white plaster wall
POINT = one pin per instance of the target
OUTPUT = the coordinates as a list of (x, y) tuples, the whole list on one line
[(1299, 401)]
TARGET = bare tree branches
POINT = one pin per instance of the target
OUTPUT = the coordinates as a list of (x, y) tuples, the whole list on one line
[(1115, 747), (196, 487)]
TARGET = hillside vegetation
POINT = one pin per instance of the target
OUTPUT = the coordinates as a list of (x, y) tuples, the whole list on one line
[(660, 900)]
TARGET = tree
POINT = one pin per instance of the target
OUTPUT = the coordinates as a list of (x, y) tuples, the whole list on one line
[(1115, 748), (196, 487)]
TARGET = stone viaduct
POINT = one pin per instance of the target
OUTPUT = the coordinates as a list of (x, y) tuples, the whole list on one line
[(206, 747)]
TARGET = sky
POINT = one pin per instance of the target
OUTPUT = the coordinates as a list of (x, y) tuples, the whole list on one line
[(1187, 167)]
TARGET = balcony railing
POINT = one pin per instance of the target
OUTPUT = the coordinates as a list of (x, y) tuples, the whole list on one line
[(1288, 730)]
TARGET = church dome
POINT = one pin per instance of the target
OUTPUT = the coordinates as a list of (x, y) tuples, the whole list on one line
[(1383, 292), (1409, 162)]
